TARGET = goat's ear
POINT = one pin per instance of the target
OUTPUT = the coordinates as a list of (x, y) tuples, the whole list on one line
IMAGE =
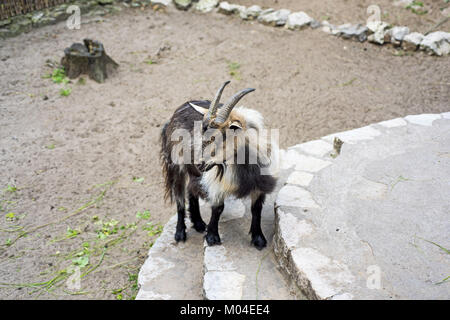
[(198, 108), (234, 125)]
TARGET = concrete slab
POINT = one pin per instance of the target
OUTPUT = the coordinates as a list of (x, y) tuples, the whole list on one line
[(383, 211)]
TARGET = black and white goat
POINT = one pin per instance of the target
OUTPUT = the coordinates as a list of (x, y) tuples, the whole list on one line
[(221, 174)]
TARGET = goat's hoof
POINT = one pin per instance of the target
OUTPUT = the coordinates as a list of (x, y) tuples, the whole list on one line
[(180, 235), (212, 239), (199, 226), (259, 241)]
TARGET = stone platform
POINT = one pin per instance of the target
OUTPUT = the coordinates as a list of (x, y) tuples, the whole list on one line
[(369, 222)]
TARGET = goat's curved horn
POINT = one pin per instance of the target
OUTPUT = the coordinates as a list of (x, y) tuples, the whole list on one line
[(215, 103), (225, 110)]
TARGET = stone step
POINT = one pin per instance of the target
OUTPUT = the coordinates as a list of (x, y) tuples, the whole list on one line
[(236, 270), (173, 271)]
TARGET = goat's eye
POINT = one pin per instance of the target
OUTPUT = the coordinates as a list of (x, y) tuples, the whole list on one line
[(235, 125)]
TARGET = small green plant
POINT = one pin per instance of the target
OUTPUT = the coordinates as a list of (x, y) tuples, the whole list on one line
[(143, 215), (65, 92), (81, 81), (71, 233), (152, 230), (81, 262), (11, 189), (10, 216), (118, 293), (133, 278), (107, 229), (349, 83), (8, 242), (50, 146), (417, 7), (233, 70), (149, 61), (59, 76), (136, 179)]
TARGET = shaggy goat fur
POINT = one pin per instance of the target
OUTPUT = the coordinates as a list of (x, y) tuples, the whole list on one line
[(216, 179)]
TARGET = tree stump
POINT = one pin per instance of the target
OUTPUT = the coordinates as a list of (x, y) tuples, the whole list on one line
[(88, 58)]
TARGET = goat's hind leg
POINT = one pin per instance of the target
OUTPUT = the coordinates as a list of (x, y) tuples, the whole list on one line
[(258, 239), (178, 192), (194, 210)]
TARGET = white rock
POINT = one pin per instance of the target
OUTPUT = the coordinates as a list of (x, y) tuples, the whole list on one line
[(327, 27), (311, 164), (399, 33), (251, 12), (227, 8), (375, 26), (298, 20), (352, 31), (300, 178), (150, 295), (446, 115), (293, 196), (379, 29), (423, 119), (206, 5), (315, 147), (161, 2), (337, 30), (437, 42), (292, 229), (403, 3), (326, 276), (412, 41), (226, 285), (398, 122), (274, 18), (215, 259), (182, 4)]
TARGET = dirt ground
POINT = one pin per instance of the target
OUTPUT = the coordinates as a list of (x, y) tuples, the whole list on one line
[(355, 11), (75, 170)]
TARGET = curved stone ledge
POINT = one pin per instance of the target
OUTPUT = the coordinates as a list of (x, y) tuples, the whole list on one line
[(326, 235)]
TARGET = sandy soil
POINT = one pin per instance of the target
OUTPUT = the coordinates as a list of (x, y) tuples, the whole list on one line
[(58, 151), (352, 11)]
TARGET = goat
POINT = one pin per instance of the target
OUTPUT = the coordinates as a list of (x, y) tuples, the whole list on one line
[(220, 175)]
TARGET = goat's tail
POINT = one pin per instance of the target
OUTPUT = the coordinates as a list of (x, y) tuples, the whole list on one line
[(166, 162)]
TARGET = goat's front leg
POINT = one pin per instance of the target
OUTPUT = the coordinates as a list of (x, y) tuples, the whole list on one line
[(258, 239), (212, 235)]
